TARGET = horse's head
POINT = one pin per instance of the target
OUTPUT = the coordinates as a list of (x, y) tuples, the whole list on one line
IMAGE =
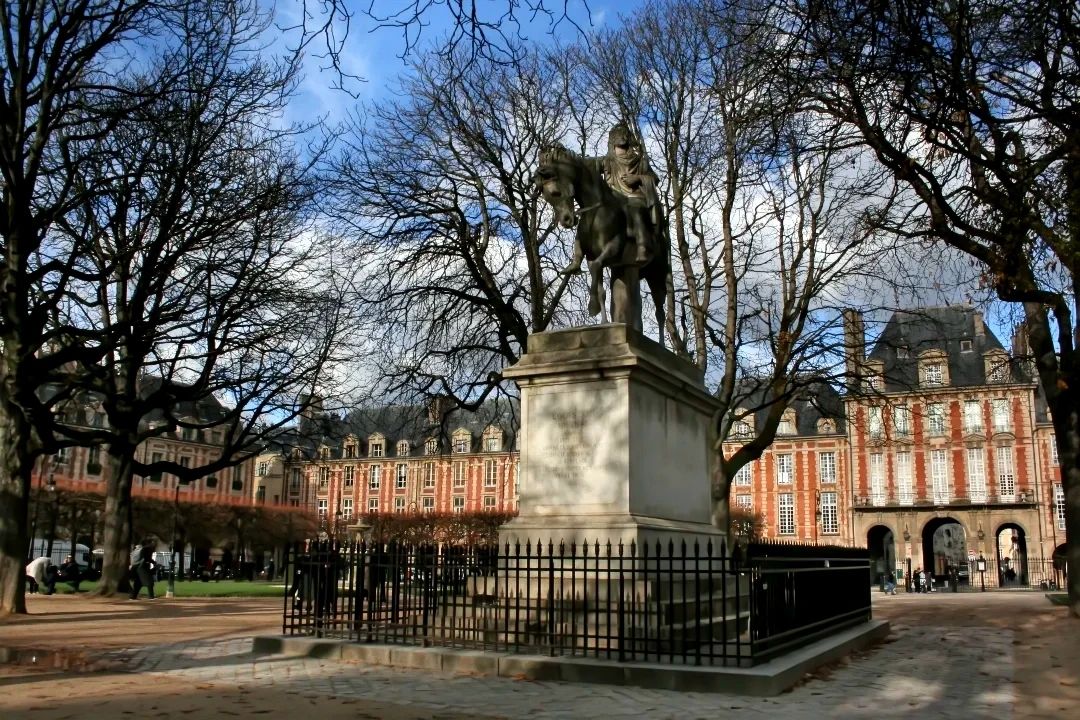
[(554, 180)]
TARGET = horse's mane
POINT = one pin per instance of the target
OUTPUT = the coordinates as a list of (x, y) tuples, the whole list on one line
[(557, 152)]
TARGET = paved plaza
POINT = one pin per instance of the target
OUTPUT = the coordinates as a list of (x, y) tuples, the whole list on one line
[(997, 655)]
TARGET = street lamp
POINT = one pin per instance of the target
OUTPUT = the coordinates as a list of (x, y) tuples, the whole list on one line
[(50, 487), (980, 565)]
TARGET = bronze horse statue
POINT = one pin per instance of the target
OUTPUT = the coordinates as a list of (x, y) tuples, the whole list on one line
[(581, 198)]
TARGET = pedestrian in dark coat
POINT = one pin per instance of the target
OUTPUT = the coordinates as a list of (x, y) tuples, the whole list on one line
[(143, 569)]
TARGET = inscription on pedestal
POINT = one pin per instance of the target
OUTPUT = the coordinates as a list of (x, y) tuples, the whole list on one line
[(571, 436)]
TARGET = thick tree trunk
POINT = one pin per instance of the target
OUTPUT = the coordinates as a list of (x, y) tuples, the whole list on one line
[(116, 541), (15, 468)]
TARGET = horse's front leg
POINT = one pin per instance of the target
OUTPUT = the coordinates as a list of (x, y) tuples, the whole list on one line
[(574, 268)]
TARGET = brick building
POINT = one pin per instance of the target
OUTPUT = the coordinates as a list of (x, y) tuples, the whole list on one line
[(394, 459), (942, 451)]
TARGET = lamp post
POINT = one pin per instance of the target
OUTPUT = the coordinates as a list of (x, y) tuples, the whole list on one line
[(980, 565), (817, 514), (50, 487)]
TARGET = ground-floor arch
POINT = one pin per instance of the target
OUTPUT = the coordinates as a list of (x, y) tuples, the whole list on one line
[(881, 543), (1012, 554), (944, 546)]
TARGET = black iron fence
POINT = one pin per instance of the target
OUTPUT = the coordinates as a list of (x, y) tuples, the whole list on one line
[(687, 604), (994, 574)]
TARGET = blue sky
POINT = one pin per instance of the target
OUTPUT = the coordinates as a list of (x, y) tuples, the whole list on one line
[(375, 54)]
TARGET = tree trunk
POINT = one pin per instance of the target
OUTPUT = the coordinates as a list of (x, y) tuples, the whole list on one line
[(116, 543), (15, 468)]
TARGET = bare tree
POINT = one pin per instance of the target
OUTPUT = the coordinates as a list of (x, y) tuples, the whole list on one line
[(974, 108), (198, 266), (61, 59), (460, 260)]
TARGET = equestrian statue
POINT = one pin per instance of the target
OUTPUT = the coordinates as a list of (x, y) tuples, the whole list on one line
[(613, 202)]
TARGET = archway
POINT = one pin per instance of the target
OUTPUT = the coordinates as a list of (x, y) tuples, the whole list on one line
[(944, 545), (882, 547), (1012, 560)]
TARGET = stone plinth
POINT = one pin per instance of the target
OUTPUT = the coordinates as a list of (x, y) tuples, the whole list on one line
[(614, 441)]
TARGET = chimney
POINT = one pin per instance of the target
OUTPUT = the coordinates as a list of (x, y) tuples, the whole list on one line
[(311, 406), (438, 406), (1020, 347), (854, 346), (980, 326)]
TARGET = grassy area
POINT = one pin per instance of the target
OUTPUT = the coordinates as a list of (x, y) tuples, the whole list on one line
[(192, 589), (1058, 598)]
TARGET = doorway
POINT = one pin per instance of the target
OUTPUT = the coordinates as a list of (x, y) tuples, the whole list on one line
[(882, 547), (1012, 560), (944, 545)]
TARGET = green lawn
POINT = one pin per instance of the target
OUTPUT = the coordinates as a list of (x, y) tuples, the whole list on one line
[(1058, 598), (188, 588)]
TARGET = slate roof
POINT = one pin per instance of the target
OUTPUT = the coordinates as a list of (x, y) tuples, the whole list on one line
[(912, 332), (815, 401), (396, 423)]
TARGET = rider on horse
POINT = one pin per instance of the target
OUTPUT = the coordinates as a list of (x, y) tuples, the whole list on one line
[(626, 170)]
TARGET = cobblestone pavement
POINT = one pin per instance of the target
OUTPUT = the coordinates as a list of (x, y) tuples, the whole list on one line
[(927, 671)]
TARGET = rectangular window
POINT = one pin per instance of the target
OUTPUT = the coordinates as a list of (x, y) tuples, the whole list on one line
[(783, 469), (322, 507), (431, 447), (827, 467), (155, 458), (373, 504), (461, 444), (376, 449), (375, 477), (973, 416), (902, 420), (491, 473), (324, 478), (1006, 474), (493, 443), (932, 374), (429, 475), (261, 469), (935, 419), (260, 494), (350, 451), (976, 474), (745, 474), (939, 476), (350, 475), (904, 490), (786, 427), (1059, 506), (489, 502), (428, 503), (1000, 408), (346, 508), (459, 504), (786, 514), (1054, 450), (93, 460), (399, 504), (294, 480), (877, 479), (402, 480), (744, 500), (830, 521), (874, 424), (459, 474)]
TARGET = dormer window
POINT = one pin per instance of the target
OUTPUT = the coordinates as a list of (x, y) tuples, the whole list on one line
[(787, 423), (740, 429), (933, 369), (431, 447), (462, 440), (403, 448), (826, 426), (350, 451), (965, 346), (376, 446), (493, 439), (996, 365), (324, 452)]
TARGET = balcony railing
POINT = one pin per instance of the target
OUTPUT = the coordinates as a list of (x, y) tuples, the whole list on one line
[(876, 500)]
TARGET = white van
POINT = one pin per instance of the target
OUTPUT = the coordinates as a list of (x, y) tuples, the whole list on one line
[(60, 550)]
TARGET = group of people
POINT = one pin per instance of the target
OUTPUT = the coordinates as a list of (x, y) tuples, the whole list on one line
[(42, 575)]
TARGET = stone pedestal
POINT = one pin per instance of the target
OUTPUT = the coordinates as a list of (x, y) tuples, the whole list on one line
[(614, 441)]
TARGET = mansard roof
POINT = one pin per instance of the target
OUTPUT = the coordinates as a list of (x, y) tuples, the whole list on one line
[(911, 333), (395, 423), (815, 401)]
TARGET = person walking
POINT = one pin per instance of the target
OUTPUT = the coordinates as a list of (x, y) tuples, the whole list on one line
[(143, 569)]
